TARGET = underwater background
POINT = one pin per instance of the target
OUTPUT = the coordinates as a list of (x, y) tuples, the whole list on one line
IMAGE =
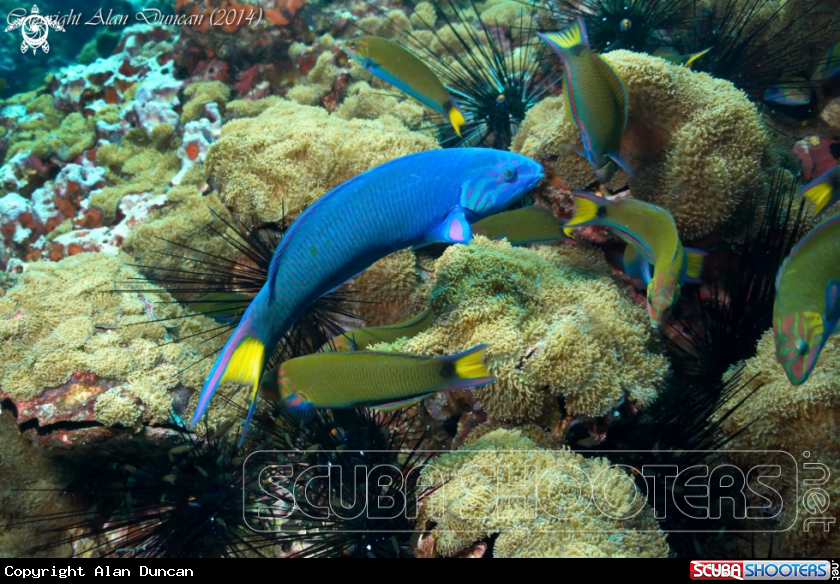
[(596, 234)]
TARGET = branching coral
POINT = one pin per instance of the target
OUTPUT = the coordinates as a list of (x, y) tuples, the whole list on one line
[(793, 419), (696, 144), (543, 502), (287, 157), (553, 318), (63, 328)]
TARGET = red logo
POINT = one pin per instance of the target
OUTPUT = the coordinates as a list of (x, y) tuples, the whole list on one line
[(701, 570)]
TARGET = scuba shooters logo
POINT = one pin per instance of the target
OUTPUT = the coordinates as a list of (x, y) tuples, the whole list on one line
[(796, 570), (34, 29)]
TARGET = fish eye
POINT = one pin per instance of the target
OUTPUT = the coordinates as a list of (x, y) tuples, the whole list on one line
[(509, 174), (801, 347), (626, 25)]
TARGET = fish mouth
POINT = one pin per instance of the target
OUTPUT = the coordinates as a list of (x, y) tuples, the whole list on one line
[(535, 180)]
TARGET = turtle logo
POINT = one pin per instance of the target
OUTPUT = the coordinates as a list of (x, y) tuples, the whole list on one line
[(35, 29)]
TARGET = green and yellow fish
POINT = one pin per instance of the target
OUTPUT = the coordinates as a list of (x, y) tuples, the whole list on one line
[(529, 225), (807, 308), (399, 67), (595, 99), (381, 380), (677, 59), (823, 191), (829, 67), (652, 238), (361, 339)]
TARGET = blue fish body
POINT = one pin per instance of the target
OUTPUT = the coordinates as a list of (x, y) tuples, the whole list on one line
[(415, 200)]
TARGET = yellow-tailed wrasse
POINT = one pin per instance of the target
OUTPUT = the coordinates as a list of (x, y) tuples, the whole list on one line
[(807, 308), (529, 225), (397, 66), (361, 339), (652, 238), (412, 201), (381, 380), (824, 191), (677, 59), (595, 98)]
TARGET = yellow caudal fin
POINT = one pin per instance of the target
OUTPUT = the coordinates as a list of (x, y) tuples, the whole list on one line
[(246, 364), (568, 38), (585, 211), (468, 364), (456, 118), (694, 264), (695, 56), (820, 195)]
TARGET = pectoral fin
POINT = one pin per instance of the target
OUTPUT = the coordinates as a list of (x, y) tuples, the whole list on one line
[(832, 301), (454, 229), (400, 404), (636, 264)]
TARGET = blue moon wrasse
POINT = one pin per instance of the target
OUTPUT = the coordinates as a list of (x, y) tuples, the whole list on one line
[(384, 381), (399, 67), (807, 308), (595, 99), (412, 201), (652, 238), (823, 191)]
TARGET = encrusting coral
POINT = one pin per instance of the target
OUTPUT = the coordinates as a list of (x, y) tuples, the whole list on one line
[(552, 317), (543, 502), (795, 420), (696, 144), (64, 329), (283, 160)]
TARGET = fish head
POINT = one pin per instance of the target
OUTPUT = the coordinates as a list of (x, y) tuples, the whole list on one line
[(662, 292), (799, 337), (357, 49), (495, 179)]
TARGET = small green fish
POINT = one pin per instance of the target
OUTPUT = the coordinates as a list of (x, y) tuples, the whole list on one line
[(529, 225), (652, 238), (595, 98), (807, 308), (382, 380), (823, 191), (361, 339), (677, 59), (397, 66)]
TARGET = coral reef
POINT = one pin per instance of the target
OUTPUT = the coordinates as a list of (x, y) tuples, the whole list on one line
[(391, 289), (796, 420), (283, 160), (74, 350), (504, 482), (696, 144), (552, 317)]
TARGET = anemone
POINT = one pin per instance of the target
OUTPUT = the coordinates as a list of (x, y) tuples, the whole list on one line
[(496, 71)]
